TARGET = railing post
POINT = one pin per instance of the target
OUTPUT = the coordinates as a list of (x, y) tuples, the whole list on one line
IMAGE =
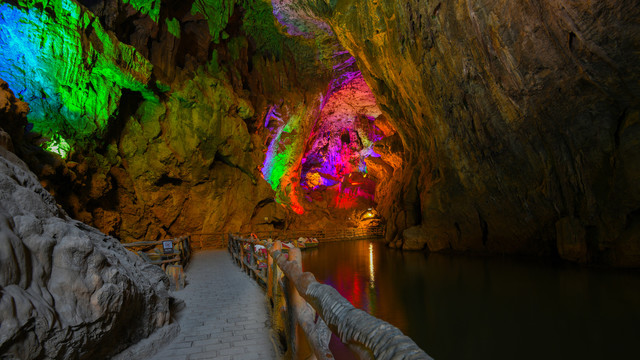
[(269, 278), (242, 266), (310, 339), (252, 261), (274, 272)]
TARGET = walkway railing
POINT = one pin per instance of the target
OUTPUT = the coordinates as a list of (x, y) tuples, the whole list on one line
[(305, 312), (218, 240), (170, 254)]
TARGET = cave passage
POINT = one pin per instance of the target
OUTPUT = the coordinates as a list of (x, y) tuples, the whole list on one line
[(478, 127), (332, 168)]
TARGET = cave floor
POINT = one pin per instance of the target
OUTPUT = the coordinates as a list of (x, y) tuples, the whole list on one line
[(226, 314)]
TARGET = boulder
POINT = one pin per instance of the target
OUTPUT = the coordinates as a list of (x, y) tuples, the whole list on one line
[(67, 291), (414, 238)]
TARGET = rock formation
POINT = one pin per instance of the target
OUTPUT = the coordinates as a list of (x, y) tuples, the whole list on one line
[(508, 127), (519, 121), (67, 291)]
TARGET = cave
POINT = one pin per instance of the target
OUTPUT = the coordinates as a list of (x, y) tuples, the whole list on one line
[(466, 130)]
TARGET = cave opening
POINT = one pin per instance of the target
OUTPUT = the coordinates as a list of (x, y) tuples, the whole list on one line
[(332, 172), (343, 138)]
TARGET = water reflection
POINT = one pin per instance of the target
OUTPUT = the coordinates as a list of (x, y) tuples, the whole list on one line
[(487, 308), (372, 272)]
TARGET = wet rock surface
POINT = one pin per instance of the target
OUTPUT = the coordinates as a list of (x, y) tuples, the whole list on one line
[(67, 291), (513, 117)]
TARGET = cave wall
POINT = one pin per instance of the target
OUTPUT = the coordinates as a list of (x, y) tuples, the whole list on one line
[(518, 120), (182, 147), (510, 127)]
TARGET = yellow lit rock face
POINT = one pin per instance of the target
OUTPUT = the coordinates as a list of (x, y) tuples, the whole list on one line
[(314, 179), (189, 158), (513, 117)]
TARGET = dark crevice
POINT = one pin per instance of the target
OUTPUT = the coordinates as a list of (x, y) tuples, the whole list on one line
[(129, 103), (572, 38), (262, 203), (632, 218), (435, 11), (619, 126), (224, 159), (592, 238), (166, 179), (278, 224)]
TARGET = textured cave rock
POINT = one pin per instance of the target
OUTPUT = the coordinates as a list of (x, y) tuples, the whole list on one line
[(12, 117), (70, 70), (180, 154), (67, 291), (186, 151), (519, 120), (510, 127), (191, 161)]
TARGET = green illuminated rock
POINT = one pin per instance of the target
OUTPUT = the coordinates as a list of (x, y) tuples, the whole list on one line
[(149, 7), (71, 72), (191, 161), (173, 26), (217, 13)]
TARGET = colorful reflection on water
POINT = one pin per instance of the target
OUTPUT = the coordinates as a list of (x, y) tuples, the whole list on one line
[(458, 307)]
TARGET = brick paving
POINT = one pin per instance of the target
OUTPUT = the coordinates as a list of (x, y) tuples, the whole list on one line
[(225, 315)]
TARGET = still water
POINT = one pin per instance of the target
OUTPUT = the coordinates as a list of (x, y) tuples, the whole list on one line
[(458, 307)]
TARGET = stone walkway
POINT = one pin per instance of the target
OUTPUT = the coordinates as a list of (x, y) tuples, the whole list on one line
[(226, 314)]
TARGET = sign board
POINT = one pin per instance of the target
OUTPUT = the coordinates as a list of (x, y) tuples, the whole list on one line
[(167, 246)]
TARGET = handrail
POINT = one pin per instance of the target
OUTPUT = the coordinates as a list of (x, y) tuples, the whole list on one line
[(368, 336), (153, 243), (180, 244), (208, 240)]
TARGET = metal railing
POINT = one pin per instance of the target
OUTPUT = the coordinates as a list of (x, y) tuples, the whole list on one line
[(305, 312)]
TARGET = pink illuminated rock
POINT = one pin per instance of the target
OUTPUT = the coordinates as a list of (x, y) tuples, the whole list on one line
[(342, 140)]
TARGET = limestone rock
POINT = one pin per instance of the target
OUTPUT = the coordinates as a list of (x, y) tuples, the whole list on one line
[(67, 291), (414, 238), (73, 84), (512, 117), (5, 140)]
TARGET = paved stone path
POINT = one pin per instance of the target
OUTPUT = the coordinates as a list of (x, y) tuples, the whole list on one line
[(225, 315)]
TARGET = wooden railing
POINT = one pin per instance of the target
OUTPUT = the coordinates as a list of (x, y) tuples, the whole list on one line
[(170, 254), (218, 240), (152, 251), (305, 312)]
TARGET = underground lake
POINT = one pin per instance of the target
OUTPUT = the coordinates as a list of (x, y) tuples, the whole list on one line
[(461, 307)]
